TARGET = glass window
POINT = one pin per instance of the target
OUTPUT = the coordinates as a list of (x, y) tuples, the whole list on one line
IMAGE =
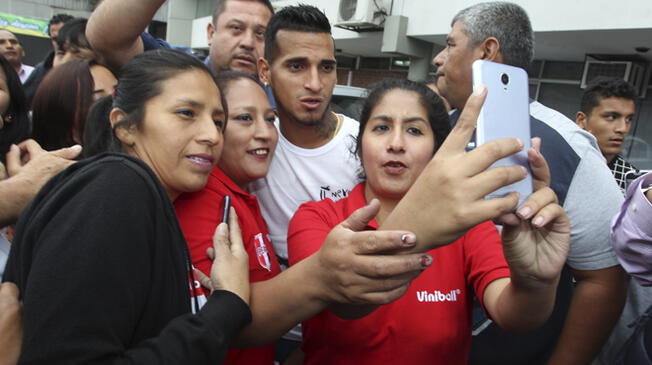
[(563, 70), (563, 98), (637, 148), (375, 63), (535, 69)]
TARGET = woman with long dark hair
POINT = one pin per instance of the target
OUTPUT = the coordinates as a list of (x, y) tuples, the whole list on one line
[(14, 122), (63, 99), (99, 257), (402, 125)]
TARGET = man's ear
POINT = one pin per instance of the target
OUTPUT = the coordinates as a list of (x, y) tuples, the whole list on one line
[(581, 119), (124, 134), (490, 48), (210, 30), (264, 74)]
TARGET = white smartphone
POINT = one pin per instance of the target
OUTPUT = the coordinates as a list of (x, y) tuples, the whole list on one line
[(505, 113)]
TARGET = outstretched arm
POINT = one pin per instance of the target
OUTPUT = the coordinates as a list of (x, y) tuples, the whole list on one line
[(115, 26), (29, 167), (11, 327), (349, 268)]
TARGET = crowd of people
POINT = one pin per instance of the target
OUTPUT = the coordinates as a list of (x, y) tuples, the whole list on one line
[(159, 208)]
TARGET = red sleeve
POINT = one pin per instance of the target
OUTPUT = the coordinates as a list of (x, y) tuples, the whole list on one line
[(308, 229), (484, 259), (198, 215)]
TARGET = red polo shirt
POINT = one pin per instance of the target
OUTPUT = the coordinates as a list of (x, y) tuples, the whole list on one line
[(199, 214), (429, 324)]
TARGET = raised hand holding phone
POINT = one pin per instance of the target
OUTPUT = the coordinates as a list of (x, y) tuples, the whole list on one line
[(448, 198)]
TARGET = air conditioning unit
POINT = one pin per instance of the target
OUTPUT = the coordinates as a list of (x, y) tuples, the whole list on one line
[(630, 71), (359, 14)]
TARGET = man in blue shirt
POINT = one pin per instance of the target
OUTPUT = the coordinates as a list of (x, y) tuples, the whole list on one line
[(235, 36)]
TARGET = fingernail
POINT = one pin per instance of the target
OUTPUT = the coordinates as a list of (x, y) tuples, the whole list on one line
[(538, 221), (76, 148), (524, 212), (408, 239), (222, 230), (425, 260), (479, 90), (520, 143)]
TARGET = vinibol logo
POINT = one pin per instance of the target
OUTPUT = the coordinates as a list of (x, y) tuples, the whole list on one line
[(437, 296)]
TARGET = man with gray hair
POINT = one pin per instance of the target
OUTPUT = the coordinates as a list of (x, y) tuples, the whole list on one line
[(586, 312)]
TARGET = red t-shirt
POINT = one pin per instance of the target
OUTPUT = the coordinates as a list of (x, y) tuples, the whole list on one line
[(429, 324), (199, 214)]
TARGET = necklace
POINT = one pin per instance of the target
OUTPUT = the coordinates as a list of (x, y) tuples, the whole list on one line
[(340, 119)]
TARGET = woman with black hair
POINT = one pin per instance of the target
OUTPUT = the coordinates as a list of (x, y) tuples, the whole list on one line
[(14, 122), (63, 99), (14, 128), (99, 258), (402, 125)]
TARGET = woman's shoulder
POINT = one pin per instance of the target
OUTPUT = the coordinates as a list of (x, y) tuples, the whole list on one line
[(107, 178), (110, 169)]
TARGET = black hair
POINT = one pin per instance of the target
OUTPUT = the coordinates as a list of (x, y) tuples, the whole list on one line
[(141, 81), (437, 115), (59, 18), (225, 78), (61, 104), (603, 88), (17, 129), (73, 33), (98, 134), (221, 4), (301, 18)]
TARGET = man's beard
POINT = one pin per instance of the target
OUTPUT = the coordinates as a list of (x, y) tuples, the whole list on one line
[(323, 124)]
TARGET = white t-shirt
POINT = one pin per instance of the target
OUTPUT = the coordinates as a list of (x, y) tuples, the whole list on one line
[(298, 175)]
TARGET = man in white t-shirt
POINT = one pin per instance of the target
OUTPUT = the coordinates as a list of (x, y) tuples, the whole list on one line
[(313, 159)]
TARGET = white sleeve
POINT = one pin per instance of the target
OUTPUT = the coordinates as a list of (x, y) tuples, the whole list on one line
[(593, 199)]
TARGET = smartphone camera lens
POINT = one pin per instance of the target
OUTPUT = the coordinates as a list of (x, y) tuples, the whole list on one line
[(505, 79)]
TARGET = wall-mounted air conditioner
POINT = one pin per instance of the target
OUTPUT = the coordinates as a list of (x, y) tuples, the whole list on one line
[(360, 14), (631, 71)]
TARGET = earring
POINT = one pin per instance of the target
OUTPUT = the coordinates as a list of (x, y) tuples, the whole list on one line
[(8, 118)]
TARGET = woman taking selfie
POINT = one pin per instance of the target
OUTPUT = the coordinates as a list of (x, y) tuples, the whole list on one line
[(99, 258), (401, 127)]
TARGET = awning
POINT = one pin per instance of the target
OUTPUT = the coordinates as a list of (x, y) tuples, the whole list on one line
[(26, 26)]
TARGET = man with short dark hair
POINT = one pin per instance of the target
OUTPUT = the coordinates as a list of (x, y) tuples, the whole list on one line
[(54, 25), (313, 158), (607, 109), (235, 36), (14, 52), (42, 68), (585, 313)]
